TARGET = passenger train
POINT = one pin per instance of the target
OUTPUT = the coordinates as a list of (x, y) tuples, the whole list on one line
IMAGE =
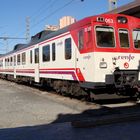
[(97, 52)]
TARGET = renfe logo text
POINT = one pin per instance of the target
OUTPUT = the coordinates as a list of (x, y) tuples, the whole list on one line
[(125, 57)]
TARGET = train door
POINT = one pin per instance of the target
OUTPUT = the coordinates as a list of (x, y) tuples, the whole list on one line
[(84, 56), (36, 61)]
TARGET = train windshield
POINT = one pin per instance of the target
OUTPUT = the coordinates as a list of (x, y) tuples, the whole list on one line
[(105, 36), (124, 40), (136, 38)]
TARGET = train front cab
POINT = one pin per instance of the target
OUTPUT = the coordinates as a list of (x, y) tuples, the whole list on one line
[(116, 54)]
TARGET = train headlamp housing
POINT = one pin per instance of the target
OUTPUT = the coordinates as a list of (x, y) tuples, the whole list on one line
[(103, 64), (100, 19), (122, 20)]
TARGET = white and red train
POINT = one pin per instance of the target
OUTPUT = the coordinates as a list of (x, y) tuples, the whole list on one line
[(97, 52)]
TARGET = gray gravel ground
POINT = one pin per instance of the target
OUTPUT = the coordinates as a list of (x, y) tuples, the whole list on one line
[(21, 106), (27, 115)]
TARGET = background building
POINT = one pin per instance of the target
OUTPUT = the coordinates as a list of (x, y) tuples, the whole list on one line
[(65, 21), (51, 27)]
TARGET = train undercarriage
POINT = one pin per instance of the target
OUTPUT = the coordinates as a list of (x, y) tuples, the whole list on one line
[(125, 84)]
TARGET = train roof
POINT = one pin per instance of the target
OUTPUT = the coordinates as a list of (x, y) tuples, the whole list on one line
[(47, 34), (39, 37)]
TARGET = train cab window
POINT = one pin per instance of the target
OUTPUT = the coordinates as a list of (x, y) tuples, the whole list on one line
[(88, 37), (81, 39), (136, 38), (46, 53), (23, 58), (36, 55), (18, 59), (105, 36), (124, 40), (53, 52), (68, 49)]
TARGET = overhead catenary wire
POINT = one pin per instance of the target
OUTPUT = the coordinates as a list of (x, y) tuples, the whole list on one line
[(52, 13), (42, 9), (36, 14), (49, 15)]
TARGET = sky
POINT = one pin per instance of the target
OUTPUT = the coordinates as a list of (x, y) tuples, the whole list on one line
[(13, 14)]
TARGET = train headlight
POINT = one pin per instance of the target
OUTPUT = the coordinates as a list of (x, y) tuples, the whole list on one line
[(122, 20), (100, 19), (103, 65)]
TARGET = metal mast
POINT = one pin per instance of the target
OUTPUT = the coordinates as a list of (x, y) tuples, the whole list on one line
[(6, 41), (112, 4), (27, 28)]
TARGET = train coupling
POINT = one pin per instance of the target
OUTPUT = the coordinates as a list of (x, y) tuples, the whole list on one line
[(126, 82)]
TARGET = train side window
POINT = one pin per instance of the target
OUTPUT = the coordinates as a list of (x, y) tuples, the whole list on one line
[(136, 38), (18, 59), (124, 40), (36, 55), (8, 61), (1, 63), (23, 58), (5, 62), (81, 39), (11, 61), (14, 60), (105, 37), (68, 49), (31, 57), (46, 53), (53, 52)]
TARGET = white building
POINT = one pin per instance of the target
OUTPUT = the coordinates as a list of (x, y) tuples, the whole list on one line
[(65, 21), (51, 27)]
